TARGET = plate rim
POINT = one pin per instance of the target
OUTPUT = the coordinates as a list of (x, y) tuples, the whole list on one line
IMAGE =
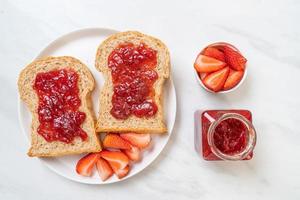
[(27, 136)]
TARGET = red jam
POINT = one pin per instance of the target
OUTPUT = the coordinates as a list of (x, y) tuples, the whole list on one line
[(133, 74), (59, 101), (230, 136)]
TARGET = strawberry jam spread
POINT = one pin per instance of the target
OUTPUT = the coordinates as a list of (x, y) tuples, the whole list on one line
[(133, 75), (59, 101)]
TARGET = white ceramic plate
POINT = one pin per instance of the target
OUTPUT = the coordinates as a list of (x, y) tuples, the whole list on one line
[(83, 44)]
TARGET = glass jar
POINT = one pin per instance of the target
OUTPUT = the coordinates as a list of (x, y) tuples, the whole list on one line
[(227, 135)]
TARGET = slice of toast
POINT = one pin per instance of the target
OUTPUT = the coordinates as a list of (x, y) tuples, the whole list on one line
[(106, 122), (39, 146)]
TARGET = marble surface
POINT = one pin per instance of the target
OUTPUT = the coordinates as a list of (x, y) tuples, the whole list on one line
[(267, 32)]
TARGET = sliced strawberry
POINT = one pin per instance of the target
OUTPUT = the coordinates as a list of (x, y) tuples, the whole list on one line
[(214, 53), (216, 80), (116, 159), (207, 64), (86, 164), (122, 172), (233, 79), (115, 141), (137, 139), (202, 75), (133, 154), (234, 59), (104, 169)]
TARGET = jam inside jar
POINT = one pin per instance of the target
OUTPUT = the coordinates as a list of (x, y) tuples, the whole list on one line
[(230, 136), (227, 135)]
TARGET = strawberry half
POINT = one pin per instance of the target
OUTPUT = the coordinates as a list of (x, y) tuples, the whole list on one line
[(115, 141), (137, 139), (216, 80), (202, 75), (233, 79), (234, 59), (214, 53), (207, 64), (86, 164), (116, 159), (122, 172), (133, 154), (104, 169)]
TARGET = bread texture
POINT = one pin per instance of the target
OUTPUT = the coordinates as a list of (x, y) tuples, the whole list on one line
[(39, 146), (106, 122)]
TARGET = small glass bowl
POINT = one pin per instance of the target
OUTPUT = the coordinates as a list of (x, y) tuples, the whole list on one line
[(222, 91)]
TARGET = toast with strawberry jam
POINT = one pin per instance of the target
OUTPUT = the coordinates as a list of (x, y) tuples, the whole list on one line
[(135, 67), (57, 92)]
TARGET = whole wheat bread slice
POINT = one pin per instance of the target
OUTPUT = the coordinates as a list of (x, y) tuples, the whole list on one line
[(39, 146), (106, 122)]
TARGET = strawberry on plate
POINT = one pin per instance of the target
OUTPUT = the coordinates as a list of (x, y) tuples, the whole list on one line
[(116, 159), (233, 79), (137, 139), (104, 169), (122, 172), (214, 53), (86, 164), (208, 64), (118, 162), (115, 141), (234, 59), (133, 154), (216, 80)]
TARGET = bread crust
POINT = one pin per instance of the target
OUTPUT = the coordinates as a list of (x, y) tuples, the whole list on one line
[(39, 146), (106, 122)]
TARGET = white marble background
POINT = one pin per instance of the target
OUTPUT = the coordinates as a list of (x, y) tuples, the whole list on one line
[(268, 33)]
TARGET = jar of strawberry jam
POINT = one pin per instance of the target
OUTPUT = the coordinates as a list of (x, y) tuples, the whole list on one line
[(225, 134)]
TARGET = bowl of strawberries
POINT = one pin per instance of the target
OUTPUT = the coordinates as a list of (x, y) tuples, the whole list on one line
[(220, 68)]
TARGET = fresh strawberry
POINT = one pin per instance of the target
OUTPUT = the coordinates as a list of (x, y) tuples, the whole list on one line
[(133, 154), (214, 53), (215, 81), (137, 139), (116, 159), (104, 169), (122, 172), (233, 79), (202, 75), (86, 164), (234, 59), (115, 141), (207, 64)]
